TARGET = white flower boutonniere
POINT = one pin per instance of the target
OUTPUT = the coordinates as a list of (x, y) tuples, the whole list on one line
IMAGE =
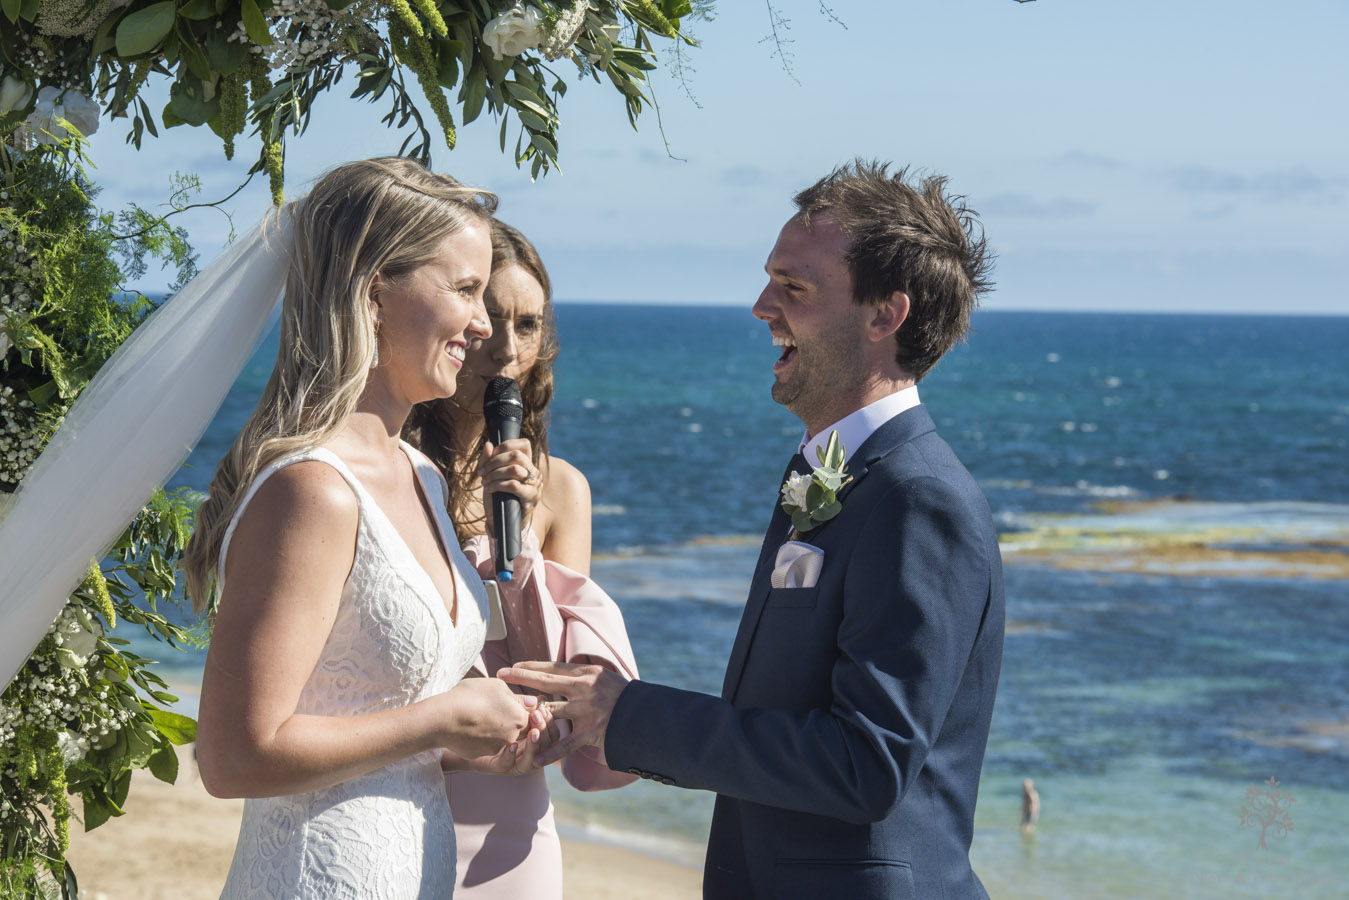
[(813, 499)]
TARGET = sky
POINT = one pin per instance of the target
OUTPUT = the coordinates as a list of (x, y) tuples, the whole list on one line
[(1143, 156)]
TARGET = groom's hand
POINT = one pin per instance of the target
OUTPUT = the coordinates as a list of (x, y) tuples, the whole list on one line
[(590, 692)]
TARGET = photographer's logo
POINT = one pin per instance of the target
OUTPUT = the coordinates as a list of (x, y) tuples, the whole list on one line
[(1267, 807)]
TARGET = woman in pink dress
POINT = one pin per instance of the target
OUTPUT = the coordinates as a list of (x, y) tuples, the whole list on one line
[(504, 830)]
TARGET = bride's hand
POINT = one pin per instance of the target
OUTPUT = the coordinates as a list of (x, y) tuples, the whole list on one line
[(516, 758), (481, 716), (509, 468)]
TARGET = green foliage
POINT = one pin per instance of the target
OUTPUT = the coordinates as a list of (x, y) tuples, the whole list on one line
[(213, 49), (819, 502), (84, 711)]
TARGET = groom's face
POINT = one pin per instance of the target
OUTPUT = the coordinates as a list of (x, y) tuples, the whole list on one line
[(809, 307)]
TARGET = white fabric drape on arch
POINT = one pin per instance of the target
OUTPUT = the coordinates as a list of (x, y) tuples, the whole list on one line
[(129, 430)]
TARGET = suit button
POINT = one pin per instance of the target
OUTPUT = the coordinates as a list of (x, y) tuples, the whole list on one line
[(666, 779), (634, 771)]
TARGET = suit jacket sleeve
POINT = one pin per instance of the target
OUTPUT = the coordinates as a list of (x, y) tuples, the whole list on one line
[(914, 594)]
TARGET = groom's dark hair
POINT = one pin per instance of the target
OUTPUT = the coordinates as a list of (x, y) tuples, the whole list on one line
[(914, 238)]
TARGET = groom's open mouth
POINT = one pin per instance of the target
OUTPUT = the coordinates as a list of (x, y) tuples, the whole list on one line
[(788, 351)]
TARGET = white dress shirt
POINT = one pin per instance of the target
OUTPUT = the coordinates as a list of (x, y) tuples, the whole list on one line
[(854, 428)]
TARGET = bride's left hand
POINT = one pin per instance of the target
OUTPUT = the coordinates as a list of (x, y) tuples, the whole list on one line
[(509, 468)]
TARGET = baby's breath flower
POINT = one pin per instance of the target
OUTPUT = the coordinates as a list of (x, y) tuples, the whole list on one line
[(565, 31)]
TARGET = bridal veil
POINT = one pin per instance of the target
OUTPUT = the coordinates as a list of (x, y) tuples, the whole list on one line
[(130, 429)]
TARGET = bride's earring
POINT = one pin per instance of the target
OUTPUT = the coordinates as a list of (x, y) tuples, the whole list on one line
[(374, 359)]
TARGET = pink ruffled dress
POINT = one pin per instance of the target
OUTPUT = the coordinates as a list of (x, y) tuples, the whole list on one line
[(504, 831)]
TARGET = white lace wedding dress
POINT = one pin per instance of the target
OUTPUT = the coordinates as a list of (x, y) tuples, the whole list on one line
[(388, 834)]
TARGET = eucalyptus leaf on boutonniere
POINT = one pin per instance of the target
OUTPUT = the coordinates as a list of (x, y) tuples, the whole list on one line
[(812, 499)]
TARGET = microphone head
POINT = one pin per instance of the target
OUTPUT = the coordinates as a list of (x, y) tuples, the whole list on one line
[(502, 400)]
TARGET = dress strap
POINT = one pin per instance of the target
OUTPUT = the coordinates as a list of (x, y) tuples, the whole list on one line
[(434, 485), (319, 453)]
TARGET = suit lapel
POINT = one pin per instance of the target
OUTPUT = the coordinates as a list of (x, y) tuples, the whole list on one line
[(901, 429), (776, 534)]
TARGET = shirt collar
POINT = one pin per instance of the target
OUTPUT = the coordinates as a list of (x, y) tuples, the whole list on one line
[(854, 428)]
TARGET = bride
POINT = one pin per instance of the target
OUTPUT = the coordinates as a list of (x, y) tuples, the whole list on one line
[(347, 614)]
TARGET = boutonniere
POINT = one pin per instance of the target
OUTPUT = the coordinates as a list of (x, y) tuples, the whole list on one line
[(813, 499)]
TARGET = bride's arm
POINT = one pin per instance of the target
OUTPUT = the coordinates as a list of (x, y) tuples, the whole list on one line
[(288, 561)]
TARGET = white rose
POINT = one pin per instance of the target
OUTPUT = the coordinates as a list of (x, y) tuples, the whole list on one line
[(75, 108), (14, 93), (794, 490), (514, 31), (82, 112), (47, 100)]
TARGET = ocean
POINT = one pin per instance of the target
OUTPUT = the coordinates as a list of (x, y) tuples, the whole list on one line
[(1173, 496)]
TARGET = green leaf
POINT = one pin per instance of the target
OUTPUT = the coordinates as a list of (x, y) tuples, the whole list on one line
[(196, 60), (255, 24), (145, 29), (474, 92), (828, 511), (198, 10), (815, 496), (140, 748), (830, 479), (43, 394), (96, 810), (801, 522), (177, 728), (118, 790), (522, 104), (28, 11), (531, 121), (188, 106), (544, 145), (226, 56), (11, 9), (103, 40), (164, 764), (522, 92), (447, 61)]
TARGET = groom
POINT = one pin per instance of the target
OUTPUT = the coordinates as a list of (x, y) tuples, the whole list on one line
[(846, 746)]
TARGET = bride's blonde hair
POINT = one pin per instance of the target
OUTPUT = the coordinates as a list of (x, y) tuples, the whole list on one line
[(378, 217)]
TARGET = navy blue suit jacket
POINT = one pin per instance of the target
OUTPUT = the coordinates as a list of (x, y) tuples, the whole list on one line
[(847, 743)]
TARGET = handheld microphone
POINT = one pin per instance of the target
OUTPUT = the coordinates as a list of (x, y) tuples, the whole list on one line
[(504, 411)]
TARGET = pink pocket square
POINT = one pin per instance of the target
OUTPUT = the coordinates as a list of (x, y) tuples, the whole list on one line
[(797, 566)]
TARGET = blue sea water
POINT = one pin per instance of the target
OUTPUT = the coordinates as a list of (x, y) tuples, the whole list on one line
[(1142, 703)]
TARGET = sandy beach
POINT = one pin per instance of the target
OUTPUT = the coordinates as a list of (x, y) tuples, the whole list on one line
[(176, 841)]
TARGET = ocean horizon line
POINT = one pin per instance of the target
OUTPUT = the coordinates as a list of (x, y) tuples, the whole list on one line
[(1037, 310), (157, 295)]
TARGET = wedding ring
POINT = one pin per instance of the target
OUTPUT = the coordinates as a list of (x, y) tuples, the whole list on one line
[(529, 479)]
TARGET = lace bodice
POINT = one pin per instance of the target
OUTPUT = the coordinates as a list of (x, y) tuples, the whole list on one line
[(387, 834)]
